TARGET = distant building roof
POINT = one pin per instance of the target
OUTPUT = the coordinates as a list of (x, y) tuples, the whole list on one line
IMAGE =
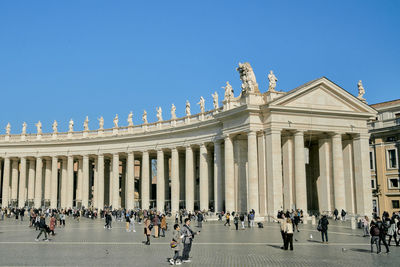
[(386, 104)]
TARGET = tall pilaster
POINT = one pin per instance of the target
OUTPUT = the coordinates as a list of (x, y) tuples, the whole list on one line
[(38, 182), (22, 183), (174, 180), (349, 175), (204, 196), (14, 180), (47, 180), (338, 172), (70, 181), (115, 181), (79, 184), (6, 182), (274, 170), (160, 181), (189, 175), (100, 174), (64, 183), (229, 176), (130, 185), (218, 182), (145, 194), (31, 180), (288, 166), (300, 172), (95, 185), (85, 181), (54, 182), (325, 176), (253, 172)]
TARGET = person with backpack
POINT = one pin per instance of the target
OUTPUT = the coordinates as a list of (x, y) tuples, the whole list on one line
[(374, 232), (176, 245), (382, 233), (323, 228), (336, 213), (343, 214)]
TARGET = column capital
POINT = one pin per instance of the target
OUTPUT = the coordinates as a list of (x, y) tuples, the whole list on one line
[(298, 133), (251, 133), (272, 131), (336, 135)]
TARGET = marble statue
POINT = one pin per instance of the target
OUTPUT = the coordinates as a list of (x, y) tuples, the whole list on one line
[(55, 124), (272, 81), (144, 117), (202, 104), (101, 123), (228, 91), (361, 90), (8, 129), (24, 128), (86, 124), (249, 83), (173, 112), (71, 125), (215, 100), (187, 109), (159, 113), (39, 127), (130, 119), (116, 121)]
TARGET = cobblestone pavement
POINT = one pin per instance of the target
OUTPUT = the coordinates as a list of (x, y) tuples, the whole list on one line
[(87, 243)]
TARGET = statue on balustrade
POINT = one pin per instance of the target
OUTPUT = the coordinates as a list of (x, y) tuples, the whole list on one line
[(159, 113), (71, 126), (55, 125), (228, 91), (116, 121), (272, 81), (86, 124), (361, 90), (24, 128), (144, 117), (202, 104), (39, 127), (8, 129), (173, 112), (101, 123), (249, 83), (130, 119), (187, 109), (215, 100)]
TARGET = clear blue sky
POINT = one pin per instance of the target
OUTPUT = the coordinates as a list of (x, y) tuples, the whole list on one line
[(68, 59)]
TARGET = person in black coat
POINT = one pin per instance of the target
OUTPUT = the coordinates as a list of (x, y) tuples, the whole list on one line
[(323, 223)]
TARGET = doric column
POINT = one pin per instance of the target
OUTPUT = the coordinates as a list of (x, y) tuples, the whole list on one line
[(70, 181), (100, 177), (115, 181), (253, 172), (38, 182), (130, 186), (79, 184), (174, 180), (95, 185), (325, 175), (31, 180), (287, 164), (145, 194), (6, 182), (64, 184), (22, 183), (349, 175), (274, 170), (362, 174), (300, 172), (189, 175), (47, 180), (54, 182), (85, 181), (14, 180), (160, 181), (218, 182), (229, 176), (338, 172), (204, 199)]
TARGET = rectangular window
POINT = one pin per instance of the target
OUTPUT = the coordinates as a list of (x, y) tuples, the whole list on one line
[(374, 206), (371, 160), (395, 204), (393, 183), (373, 184), (392, 159)]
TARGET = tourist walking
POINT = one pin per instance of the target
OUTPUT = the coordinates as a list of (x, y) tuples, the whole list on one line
[(188, 236), (176, 245), (42, 228), (227, 222), (382, 234), (236, 221), (163, 225), (374, 231), (200, 219), (343, 214), (323, 227), (241, 217), (392, 230), (288, 234), (336, 213), (131, 224), (365, 223), (147, 230), (52, 224)]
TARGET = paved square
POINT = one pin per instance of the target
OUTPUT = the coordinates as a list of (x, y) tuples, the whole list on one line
[(87, 243)]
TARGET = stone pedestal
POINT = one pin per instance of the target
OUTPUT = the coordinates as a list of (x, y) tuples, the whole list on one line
[(100, 132), (85, 133), (313, 220), (23, 137), (115, 131)]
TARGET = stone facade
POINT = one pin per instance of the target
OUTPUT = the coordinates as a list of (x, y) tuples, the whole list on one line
[(306, 148)]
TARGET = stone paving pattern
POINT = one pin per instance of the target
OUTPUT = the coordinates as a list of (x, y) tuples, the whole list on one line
[(87, 243)]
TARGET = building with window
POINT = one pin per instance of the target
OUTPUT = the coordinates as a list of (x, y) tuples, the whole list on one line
[(384, 157)]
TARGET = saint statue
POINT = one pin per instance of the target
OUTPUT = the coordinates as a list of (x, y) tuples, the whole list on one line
[(71, 126), (101, 123), (361, 90), (228, 91), (272, 81), (173, 112), (144, 117), (86, 124), (215, 100), (116, 121), (24, 128), (249, 83), (130, 119), (187, 109), (202, 104), (55, 124), (39, 127), (159, 113), (8, 129)]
